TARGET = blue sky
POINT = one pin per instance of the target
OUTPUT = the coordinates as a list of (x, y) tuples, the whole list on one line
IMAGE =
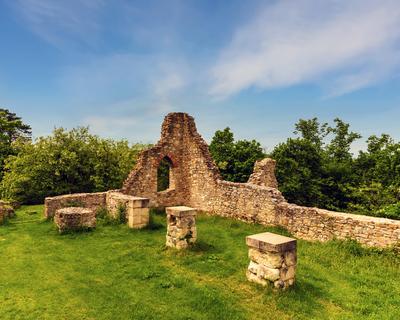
[(255, 66)]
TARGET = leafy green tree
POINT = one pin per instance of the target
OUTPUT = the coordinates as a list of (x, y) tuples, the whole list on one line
[(378, 172), (339, 147), (11, 129), (234, 159), (299, 171), (323, 176), (66, 162), (318, 169), (312, 131)]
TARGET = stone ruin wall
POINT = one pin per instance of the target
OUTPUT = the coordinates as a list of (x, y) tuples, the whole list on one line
[(196, 182), (91, 201)]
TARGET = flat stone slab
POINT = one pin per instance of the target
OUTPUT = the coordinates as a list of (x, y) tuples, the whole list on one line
[(74, 211), (271, 242), (133, 201), (180, 211)]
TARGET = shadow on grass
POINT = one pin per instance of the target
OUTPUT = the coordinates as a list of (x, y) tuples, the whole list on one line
[(203, 247), (304, 298), (157, 211), (76, 231), (153, 225)]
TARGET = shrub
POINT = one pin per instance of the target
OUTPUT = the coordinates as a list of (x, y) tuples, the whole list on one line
[(66, 162), (391, 211), (121, 213)]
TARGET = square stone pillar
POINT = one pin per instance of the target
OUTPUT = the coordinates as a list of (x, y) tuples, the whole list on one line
[(181, 227), (138, 212), (273, 259), (137, 208)]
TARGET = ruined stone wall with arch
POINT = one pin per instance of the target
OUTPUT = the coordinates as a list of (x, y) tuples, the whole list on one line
[(196, 182)]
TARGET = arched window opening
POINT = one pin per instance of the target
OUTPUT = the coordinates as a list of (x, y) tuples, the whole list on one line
[(164, 175)]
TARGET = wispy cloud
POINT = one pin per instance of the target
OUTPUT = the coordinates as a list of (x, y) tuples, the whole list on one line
[(342, 45), (141, 75), (58, 22), (119, 91)]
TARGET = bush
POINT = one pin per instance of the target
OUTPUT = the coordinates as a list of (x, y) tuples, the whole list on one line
[(391, 211), (121, 213), (235, 159), (66, 162)]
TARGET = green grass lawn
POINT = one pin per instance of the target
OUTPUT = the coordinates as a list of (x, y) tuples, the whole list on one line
[(118, 273)]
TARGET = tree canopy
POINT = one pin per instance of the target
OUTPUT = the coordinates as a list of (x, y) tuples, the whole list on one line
[(235, 159)]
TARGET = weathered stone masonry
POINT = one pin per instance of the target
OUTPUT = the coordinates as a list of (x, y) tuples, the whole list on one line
[(196, 182)]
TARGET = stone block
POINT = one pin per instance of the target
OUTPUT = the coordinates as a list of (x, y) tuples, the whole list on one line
[(74, 218), (181, 227), (290, 258), (138, 217), (137, 211), (271, 242), (272, 259), (181, 211)]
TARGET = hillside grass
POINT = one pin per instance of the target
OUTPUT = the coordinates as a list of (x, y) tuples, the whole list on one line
[(117, 273)]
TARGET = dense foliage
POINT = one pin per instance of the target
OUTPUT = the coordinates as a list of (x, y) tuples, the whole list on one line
[(66, 162), (11, 128), (235, 160), (317, 168)]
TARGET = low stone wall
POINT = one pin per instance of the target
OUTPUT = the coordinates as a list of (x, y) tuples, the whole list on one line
[(137, 211), (267, 206), (318, 224), (91, 201)]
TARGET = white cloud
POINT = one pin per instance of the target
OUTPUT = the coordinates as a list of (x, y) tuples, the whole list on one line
[(343, 45), (59, 21)]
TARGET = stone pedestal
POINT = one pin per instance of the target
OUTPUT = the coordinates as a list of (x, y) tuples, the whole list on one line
[(273, 258), (74, 218), (181, 227), (137, 211)]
